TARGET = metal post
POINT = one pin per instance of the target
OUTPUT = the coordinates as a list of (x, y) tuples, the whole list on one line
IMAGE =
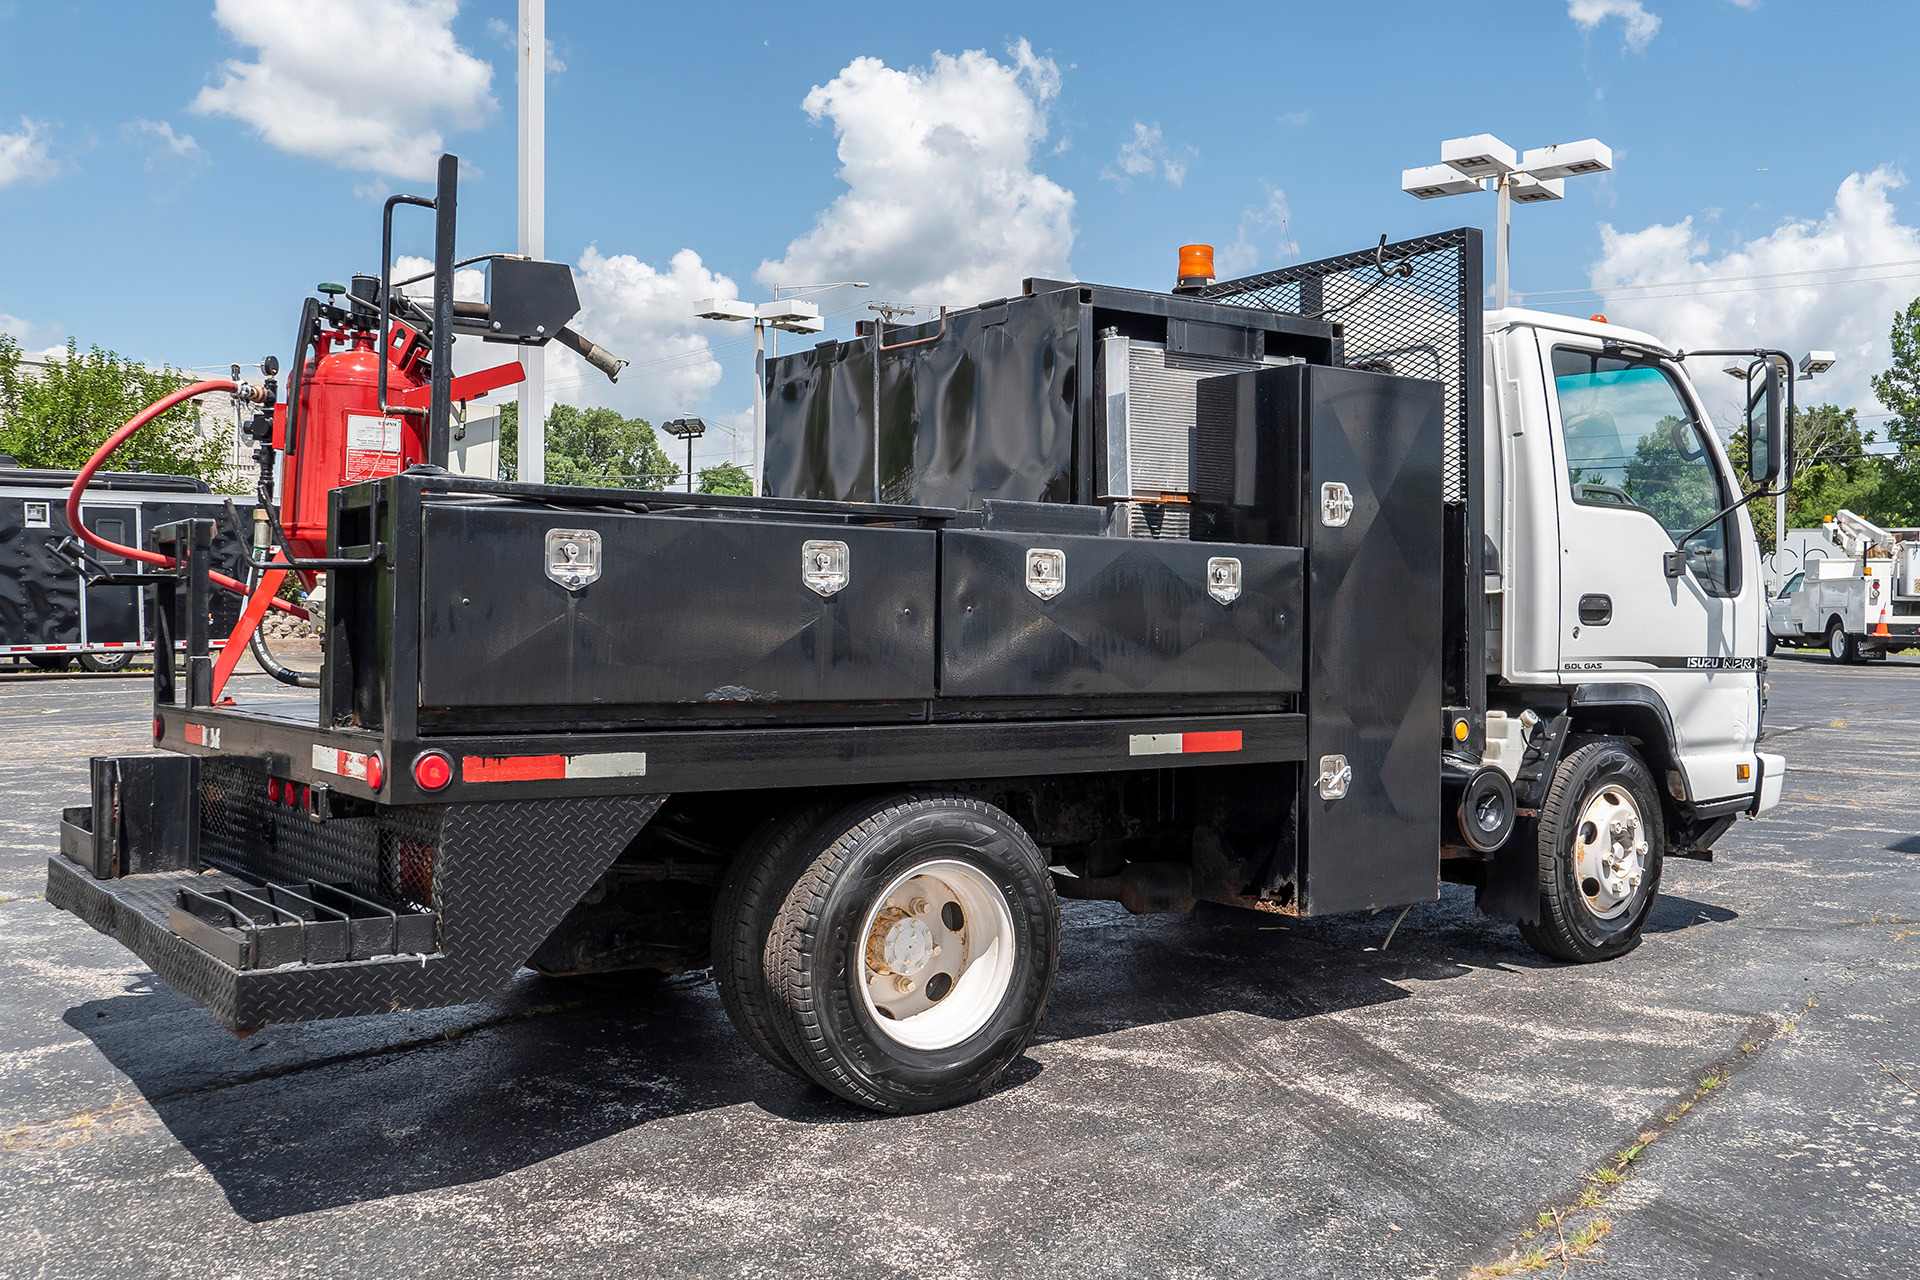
[(759, 408), (533, 227), (689, 464), (879, 323), (1503, 219), (440, 396), (1780, 523)]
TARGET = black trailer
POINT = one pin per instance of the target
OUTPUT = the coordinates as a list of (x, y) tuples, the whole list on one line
[(1090, 591), (50, 614)]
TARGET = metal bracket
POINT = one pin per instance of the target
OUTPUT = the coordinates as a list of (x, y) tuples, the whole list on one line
[(825, 565), (1046, 571), (1336, 775), (573, 557), (1336, 504), (1223, 579)]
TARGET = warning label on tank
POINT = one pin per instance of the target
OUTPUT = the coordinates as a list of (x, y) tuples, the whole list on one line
[(373, 447)]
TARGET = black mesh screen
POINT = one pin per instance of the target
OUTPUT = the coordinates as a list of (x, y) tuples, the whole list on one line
[(1411, 308), (391, 856)]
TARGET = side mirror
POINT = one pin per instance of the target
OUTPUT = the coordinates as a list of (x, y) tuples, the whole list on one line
[(1766, 424)]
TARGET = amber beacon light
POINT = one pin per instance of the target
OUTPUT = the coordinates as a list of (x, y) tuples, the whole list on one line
[(1196, 268)]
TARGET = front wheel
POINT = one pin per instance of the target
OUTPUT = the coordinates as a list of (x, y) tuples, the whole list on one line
[(1601, 837), (112, 660), (1771, 642), (912, 960)]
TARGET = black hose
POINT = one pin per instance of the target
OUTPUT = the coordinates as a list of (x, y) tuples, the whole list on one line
[(257, 644)]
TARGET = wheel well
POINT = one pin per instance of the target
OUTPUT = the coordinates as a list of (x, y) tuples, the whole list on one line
[(1645, 728)]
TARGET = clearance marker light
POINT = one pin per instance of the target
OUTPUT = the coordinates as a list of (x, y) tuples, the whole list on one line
[(376, 771), (432, 770)]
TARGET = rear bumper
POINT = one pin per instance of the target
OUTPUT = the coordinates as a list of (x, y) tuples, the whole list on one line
[(262, 914)]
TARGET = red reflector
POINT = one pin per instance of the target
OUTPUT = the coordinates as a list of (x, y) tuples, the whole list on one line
[(159, 728), (376, 772), (305, 791), (512, 768), (432, 771), (273, 790), (1215, 740)]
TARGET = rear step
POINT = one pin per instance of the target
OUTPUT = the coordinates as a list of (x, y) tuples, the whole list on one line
[(240, 905), (266, 926)]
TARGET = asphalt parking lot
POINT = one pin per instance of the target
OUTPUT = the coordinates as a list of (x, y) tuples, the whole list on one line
[(1213, 1094)]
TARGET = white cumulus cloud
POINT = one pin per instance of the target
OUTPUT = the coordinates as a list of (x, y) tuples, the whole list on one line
[(364, 84), (24, 155), (943, 203), (1639, 25), (1668, 280), (1263, 227)]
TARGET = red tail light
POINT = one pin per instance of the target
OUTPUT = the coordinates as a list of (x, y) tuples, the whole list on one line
[(273, 790), (376, 771), (159, 728), (432, 770)]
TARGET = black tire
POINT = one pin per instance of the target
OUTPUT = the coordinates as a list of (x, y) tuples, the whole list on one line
[(1841, 647), (117, 660), (817, 957), (755, 887), (50, 661), (1571, 927), (1771, 643)]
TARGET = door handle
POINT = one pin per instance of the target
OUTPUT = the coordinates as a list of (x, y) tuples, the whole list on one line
[(1596, 610)]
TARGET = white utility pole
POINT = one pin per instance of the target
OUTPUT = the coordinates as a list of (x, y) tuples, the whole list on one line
[(533, 227), (1503, 222)]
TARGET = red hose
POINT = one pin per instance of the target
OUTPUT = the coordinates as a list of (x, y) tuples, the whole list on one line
[(119, 438)]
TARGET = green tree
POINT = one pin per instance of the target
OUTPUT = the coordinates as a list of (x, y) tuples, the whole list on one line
[(58, 416), (594, 447), (724, 477), (1831, 469), (1898, 388)]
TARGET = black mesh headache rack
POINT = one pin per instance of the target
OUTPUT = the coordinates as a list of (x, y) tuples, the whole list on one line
[(1414, 308)]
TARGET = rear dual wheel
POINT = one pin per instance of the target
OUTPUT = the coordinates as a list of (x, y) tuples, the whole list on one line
[(910, 958)]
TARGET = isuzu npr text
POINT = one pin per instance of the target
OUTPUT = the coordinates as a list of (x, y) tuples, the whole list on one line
[(1302, 592)]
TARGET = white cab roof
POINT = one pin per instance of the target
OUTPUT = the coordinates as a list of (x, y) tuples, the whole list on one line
[(1512, 316)]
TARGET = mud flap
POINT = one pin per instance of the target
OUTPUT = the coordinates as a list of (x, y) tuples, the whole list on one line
[(1511, 890)]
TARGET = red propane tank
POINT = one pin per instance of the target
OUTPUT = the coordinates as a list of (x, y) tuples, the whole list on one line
[(340, 436)]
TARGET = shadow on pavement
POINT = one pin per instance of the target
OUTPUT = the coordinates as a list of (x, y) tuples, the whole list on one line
[(552, 1067)]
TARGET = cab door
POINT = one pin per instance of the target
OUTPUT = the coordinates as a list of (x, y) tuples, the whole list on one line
[(1780, 609), (1640, 469)]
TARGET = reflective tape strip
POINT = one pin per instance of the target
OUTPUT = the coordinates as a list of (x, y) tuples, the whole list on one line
[(597, 764), (1177, 744), (345, 764), (202, 735)]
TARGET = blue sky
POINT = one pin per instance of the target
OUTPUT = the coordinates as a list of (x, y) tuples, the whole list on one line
[(172, 177)]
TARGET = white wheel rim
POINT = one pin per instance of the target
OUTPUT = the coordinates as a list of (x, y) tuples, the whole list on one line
[(1609, 852), (1837, 643), (926, 983)]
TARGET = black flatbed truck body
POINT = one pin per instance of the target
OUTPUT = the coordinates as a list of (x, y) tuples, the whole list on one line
[(572, 712)]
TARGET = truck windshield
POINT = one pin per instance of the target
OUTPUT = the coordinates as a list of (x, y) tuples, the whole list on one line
[(1632, 441)]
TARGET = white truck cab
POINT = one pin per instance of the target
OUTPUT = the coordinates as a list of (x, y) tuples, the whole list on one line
[(1600, 460)]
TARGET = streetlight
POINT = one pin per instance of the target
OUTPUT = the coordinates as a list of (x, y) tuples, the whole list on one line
[(688, 429), (1467, 164), (789, 314)]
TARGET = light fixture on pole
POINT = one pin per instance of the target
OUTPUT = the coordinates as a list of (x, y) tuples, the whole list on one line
[(688, 429), (789, 314), (1469, 164)]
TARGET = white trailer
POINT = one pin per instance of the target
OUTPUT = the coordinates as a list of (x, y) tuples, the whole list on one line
[(1859, 603)]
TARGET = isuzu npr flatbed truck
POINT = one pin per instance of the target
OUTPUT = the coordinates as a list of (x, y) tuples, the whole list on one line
[(1303, 593)]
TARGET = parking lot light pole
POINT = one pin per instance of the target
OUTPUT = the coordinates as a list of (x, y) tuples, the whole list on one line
[(688, 429), (789, 314), (1468, 164)]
